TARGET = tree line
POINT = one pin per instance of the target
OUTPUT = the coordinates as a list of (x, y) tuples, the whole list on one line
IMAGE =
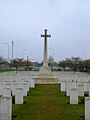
[(72, 64), (75, 64)]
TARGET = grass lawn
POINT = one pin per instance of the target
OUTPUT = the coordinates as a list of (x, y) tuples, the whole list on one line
[(46, 102), (7, 69)]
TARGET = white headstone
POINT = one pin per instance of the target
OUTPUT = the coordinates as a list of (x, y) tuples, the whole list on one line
[(85, 86), (74, 84), (5, 108), (32, 83), (87, 108), (24, 86), (7, 85), (1, 88), (63, 85), (80, 90), (27, 83), (74, 96), (68, 87), (13, 87), (7, 92), (89, 88), (18, 96)]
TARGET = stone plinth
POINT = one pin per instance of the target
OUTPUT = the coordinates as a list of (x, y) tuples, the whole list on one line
[(45, 76), (44, 80)]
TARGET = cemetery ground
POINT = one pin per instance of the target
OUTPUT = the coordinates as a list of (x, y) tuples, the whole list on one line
[(47, 102)]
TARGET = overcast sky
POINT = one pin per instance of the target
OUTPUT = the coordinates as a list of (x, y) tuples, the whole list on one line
[(23, 21)]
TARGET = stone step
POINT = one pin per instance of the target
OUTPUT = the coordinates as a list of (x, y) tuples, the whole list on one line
[(46, 80)]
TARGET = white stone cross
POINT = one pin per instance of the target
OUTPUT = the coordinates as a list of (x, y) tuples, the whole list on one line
[(45, 46)]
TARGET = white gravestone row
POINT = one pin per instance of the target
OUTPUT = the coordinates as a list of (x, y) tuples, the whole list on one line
[(18, 88), (6, 89), (75, 87), (80, 77)]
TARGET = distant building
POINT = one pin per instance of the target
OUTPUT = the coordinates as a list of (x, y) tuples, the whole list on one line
[(5, 64), (36, 64)]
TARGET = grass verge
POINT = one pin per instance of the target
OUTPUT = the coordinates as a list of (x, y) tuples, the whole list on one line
[(46, 102)]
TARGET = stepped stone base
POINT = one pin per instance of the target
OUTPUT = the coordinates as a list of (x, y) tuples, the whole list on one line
[(46, 80), (45, 76)]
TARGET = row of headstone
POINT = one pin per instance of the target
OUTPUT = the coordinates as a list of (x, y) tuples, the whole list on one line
[(75, 84), (14, 88), (27, 74), (20, 75), (69, 76), (75, 89), (16, 85), (74, 100), (6, 89)]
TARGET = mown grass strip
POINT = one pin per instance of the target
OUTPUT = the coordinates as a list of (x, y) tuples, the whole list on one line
[(46, 102)]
